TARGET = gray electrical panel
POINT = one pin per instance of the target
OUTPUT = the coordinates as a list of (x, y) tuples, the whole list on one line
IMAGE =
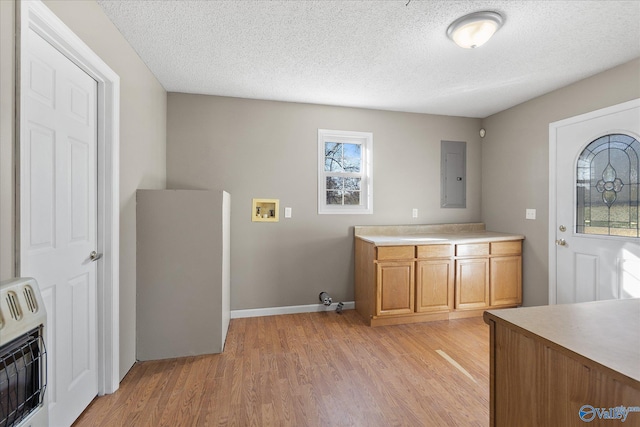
[(453, 174)]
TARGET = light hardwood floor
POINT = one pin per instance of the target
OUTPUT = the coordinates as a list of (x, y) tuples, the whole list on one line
[(314, 369)]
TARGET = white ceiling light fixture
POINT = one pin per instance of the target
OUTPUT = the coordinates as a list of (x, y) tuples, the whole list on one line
[(475, 29)]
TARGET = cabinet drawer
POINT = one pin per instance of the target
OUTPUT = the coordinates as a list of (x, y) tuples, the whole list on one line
[(472, 249), (396, 252), (435, 251), (506, 248)]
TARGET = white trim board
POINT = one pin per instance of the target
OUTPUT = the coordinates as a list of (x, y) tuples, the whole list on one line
[(292, 309), (36, 16)]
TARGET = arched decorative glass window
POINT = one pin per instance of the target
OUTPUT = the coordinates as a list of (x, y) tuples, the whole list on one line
[(607, 187)]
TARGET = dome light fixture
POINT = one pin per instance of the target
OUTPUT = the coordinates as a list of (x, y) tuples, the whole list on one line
[(475, 29)]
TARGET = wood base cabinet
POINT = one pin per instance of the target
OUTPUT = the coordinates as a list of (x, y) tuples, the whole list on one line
[(395, 287), (506, 281), (434, 285), (565, 365), (472, 283), (506, 274), (404, 284)]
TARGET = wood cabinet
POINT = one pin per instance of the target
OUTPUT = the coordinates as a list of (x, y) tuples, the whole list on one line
[(506, 274), (395, 287), (472, 283), (395, 253), (472, 276), (548, 362), (506, 281), (434, 278), (405, 283), (395, 279), (488, 275)]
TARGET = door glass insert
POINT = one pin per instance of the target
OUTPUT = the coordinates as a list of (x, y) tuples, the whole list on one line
[(607, 187)]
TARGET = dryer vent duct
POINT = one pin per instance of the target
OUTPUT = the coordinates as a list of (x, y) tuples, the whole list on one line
[(325, 298)]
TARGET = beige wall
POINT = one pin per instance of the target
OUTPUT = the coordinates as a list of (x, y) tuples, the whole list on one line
[(267, 149), (142, 141), (515, 163)]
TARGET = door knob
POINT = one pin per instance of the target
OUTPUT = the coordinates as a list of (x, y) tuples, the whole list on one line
[(561, 242), (94, 256)]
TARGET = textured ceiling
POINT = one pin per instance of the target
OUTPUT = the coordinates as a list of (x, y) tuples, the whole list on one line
[(386, 55)]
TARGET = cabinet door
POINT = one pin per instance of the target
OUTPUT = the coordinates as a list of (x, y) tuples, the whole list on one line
[(434, 285), (395, 288), (506, 280), (472, 283)]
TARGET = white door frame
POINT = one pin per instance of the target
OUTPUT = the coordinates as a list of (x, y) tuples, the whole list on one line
[(553, 142), (33, 14)]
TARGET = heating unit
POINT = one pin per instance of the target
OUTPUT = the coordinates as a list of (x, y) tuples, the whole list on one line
[(23, 363)]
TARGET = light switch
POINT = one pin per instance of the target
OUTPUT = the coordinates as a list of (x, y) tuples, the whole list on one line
[(530, 214), (415, 213), (287, 212)]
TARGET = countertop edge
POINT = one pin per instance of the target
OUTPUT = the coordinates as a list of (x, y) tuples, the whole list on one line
[(440, 238)]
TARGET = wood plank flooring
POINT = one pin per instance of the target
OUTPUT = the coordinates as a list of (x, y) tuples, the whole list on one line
[(313, 369)]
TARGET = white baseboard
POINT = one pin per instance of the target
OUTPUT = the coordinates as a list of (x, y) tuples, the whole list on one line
[(292, 309)]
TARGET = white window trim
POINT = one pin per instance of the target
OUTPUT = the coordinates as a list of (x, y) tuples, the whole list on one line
[(350, 137)]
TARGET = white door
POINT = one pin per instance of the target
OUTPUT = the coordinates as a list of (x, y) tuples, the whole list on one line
[(58, 219), (597, 240)]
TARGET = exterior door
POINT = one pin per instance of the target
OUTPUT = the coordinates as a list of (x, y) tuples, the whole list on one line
[(596, 227), (58, 217)]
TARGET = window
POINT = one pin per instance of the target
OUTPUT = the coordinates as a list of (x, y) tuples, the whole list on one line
[(345, 181), (607, 187)]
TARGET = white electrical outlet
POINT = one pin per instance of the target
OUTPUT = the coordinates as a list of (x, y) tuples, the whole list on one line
[(287, 212), (415, 213), (530, 214)]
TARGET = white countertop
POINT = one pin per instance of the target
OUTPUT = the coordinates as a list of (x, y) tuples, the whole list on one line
[(439, 238)]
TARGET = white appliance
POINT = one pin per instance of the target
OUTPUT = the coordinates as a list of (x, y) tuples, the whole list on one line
[(23, 362)]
